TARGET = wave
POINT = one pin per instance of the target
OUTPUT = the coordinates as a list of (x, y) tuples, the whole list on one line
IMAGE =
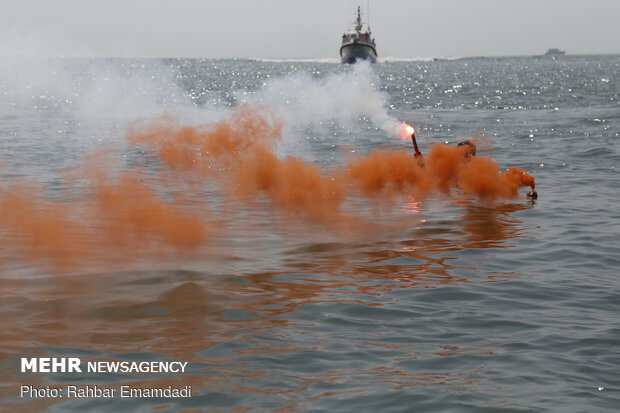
[(297, 60), (392, 59)]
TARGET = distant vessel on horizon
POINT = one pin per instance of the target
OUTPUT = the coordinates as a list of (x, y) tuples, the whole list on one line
[(554, 52), (358, 45)]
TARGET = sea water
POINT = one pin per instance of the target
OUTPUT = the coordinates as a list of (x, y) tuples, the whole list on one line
[(448, 302)]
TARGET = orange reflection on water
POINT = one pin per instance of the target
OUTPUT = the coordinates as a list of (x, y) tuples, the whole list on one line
[(411, 205), (490, 226), (179, 314)]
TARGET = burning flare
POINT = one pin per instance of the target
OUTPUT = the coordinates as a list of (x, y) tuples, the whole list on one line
[(406, 131)]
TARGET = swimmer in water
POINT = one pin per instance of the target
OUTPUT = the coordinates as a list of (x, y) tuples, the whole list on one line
[(469, 149)]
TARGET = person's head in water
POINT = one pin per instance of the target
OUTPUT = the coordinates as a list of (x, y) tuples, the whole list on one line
[(468, 148)]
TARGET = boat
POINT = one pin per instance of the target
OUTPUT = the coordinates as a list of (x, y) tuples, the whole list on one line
[(554, 52), (358, 44)]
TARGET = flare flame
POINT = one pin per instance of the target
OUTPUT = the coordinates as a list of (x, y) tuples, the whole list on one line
[(406, 131)]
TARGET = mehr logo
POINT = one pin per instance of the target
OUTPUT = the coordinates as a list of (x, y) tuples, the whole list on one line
[(51, 365), (72, 364)]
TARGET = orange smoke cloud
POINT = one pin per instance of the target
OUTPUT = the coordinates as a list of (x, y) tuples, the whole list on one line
[(243, 147), (117, 219), (444, 169), (392, 172), (296, 187), (130, 214), (39, 230), (201, 148), (483, 179), (242, 150), (126, 216)]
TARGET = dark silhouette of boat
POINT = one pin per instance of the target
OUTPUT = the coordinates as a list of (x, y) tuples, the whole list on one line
[(554, 52), (358, 44)]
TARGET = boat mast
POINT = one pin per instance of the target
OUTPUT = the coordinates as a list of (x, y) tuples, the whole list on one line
[(358, 21), (368, 13)]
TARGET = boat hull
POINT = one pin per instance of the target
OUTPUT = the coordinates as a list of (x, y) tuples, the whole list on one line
[(351, 53)]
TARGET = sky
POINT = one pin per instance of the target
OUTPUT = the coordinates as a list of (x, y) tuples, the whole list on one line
[(296, 29)]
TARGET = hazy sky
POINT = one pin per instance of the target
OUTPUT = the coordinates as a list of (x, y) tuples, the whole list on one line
[(305, 29)]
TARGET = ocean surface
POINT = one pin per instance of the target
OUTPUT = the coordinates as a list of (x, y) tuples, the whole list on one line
[(123, 237)]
